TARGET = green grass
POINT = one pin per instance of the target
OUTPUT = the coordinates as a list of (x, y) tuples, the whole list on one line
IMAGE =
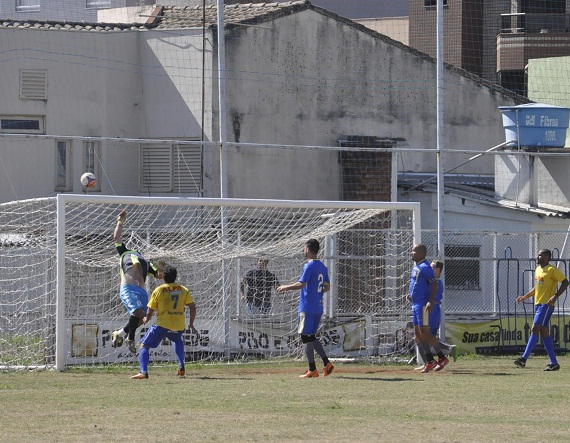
[(476, 399)]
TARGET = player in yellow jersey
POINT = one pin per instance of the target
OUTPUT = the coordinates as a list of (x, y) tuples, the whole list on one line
[(169, 302), (546, 292)]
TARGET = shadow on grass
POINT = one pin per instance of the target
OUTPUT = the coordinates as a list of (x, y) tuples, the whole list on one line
[(482, 373), (344, 377), (204, 377)]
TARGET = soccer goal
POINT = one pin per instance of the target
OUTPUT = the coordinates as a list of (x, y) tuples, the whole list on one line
[(60, 278)]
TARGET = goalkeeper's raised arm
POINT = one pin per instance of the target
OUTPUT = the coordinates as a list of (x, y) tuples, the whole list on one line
[(121, 218)]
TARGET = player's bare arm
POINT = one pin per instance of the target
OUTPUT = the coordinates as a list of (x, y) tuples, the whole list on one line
[(563, 286), (290, 287), (522, 298), (121, 218), (192, 307), (148, 316)]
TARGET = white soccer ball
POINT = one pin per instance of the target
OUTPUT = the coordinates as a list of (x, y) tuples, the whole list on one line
[(88, 180)]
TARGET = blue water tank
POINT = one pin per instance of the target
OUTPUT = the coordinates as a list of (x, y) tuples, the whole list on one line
[(535, 125)]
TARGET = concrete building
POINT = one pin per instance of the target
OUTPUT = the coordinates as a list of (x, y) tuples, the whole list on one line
[(306, 77), (62, 10), (493, 38)]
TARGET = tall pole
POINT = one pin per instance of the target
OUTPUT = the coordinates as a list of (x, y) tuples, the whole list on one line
[(439, 123), (440, 162), (222, 98), (223, 162)]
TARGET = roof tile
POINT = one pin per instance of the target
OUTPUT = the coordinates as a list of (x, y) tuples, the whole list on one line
[(173, 17)]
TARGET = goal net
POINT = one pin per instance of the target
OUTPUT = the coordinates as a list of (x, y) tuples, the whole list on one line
[(60, 275)]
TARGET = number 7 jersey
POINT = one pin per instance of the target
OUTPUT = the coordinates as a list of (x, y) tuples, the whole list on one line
[(169, 301)]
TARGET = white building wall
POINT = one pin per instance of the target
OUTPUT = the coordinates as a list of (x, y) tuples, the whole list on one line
[(172, 83), (60, 10), (304, 79), (93, 90), (310, 79)]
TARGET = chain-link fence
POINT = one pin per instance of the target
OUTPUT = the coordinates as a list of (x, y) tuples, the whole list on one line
[(485, 271)]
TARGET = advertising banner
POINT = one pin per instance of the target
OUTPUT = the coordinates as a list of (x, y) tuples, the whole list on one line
[(503, 334)]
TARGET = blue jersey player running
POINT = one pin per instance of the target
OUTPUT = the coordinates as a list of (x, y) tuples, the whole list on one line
[(134, 269), (313, 283)]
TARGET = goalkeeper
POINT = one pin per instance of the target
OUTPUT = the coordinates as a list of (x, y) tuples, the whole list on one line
[(134, 269)]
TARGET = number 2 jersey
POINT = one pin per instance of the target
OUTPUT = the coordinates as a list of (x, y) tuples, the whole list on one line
[(315, 274), (169, 301)]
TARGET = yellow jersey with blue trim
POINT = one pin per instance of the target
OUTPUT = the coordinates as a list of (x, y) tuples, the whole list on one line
[(169, 301), (546, 281)]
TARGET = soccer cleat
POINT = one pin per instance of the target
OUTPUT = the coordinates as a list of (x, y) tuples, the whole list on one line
[(310, 374), (429, 366), (132, 346), (453, 352), (116, 340), (520, 362), (327, 370), (441, 363), (550, 367), (420, 368), (181, 372), (139, 376)]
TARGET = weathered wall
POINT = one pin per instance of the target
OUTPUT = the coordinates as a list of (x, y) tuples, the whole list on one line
[(309, 78)]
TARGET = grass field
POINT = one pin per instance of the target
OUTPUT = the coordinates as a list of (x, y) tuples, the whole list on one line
[(476, 399)]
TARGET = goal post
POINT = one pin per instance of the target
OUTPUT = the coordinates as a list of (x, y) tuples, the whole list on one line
[(213, 243)]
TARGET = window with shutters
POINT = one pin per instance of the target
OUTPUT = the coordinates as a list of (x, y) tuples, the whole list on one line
[(63, 165), (94, 4), (27, 5), (171, 168), (33, 84), (92, 163)]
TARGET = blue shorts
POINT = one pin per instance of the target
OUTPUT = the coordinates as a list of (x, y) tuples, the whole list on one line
[(420, 316), (542, 314), (156, 334), (133, 297), (309, 322), (435, 320)]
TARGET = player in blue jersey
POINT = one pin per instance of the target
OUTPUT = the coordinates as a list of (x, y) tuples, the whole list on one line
[(313, 283), (435, 319), (169, 301), (423, 290), (134, 268), (545, 292)]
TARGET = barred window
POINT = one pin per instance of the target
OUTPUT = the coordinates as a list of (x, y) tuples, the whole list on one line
[(433, 2), (462, 271)]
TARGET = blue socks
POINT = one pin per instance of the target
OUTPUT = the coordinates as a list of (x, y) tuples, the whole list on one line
[(144, 357), (532, 341), (549, 346)]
